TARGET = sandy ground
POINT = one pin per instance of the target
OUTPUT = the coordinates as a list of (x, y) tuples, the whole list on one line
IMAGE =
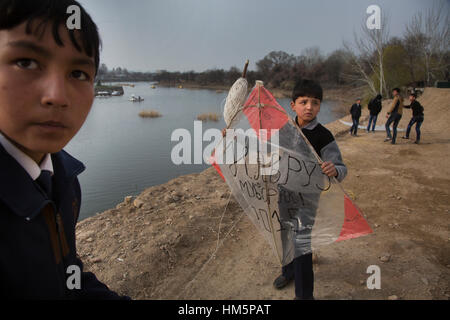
[(160, 244)]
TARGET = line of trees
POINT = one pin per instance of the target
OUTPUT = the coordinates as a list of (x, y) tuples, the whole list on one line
[(420, 57), (121, 74), (277, 69)]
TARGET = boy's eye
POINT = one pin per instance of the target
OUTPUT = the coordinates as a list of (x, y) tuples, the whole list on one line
[(27, 64), (313, 102), (80, 75)]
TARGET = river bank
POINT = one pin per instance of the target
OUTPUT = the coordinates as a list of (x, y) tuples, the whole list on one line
[(159, 245)]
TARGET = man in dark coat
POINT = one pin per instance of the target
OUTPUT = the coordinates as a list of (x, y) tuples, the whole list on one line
[(374, 109), (417, 117), (355, 111)]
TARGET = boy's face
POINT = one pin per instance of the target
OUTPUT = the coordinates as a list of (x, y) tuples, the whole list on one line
[(358, 101), (412, 98), (306, 109), (46, 91), (394, 92)]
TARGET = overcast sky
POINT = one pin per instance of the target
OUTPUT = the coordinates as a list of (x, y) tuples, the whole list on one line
[(148, 35)]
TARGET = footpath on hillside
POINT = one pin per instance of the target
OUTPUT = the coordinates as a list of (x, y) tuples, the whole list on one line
[(159, 245)]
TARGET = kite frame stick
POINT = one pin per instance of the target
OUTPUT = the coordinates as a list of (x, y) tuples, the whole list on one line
[(244, 73), (269, 217)]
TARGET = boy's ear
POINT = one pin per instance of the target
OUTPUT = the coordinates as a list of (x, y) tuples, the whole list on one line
[(292, 105)]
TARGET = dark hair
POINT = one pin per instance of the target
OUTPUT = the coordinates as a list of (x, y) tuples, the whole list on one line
[(53, 12), (413, 94), (378, 97), (307, 88), (396, 89)]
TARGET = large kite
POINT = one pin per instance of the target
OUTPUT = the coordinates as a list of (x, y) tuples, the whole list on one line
[(275, 176)]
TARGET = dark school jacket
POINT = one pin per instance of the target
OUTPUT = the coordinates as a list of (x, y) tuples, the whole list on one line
[(416, 107), (355, 111), (375, 106), (37, 235)]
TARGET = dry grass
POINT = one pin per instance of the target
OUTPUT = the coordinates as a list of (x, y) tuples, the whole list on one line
[(149, 114), (208, 116)]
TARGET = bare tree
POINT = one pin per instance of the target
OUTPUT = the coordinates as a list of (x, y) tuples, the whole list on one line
[(431, 32), (367, 55), (311, 56), (311, 59), (334, 65), (413, 56)]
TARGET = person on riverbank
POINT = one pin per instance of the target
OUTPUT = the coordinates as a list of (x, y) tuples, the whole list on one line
[(306, 99), (417, 117), (47, 88), (355, 111), (374, 107), (394, 115)]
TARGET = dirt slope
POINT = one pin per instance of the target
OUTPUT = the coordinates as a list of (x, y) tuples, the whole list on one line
[(159, 245)]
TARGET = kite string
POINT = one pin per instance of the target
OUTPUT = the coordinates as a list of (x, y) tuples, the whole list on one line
[(218, 245), (220, 224)]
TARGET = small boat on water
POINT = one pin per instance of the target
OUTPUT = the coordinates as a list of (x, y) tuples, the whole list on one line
[(116, 93), (133, 98), (103, 94)]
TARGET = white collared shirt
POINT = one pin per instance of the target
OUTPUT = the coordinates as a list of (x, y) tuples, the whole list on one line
[(30, 166)]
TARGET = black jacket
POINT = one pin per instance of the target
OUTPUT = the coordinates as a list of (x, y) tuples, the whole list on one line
[(37, 235), (355, 111), (375, 106), (416, 107)]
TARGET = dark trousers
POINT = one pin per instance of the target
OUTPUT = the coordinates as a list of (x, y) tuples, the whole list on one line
[(373, 121), (418, 120), (301, 270), (355, 125), (393, 118)]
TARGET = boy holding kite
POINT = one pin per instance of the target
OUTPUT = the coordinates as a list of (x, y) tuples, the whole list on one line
[(306, 99)]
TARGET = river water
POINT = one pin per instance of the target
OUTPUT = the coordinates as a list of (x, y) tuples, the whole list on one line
[(125, 154)]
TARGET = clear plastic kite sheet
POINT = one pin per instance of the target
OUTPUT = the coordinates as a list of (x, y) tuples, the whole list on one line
[(277, 180)]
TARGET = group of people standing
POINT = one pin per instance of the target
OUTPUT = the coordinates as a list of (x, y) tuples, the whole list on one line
[(394, 115)]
